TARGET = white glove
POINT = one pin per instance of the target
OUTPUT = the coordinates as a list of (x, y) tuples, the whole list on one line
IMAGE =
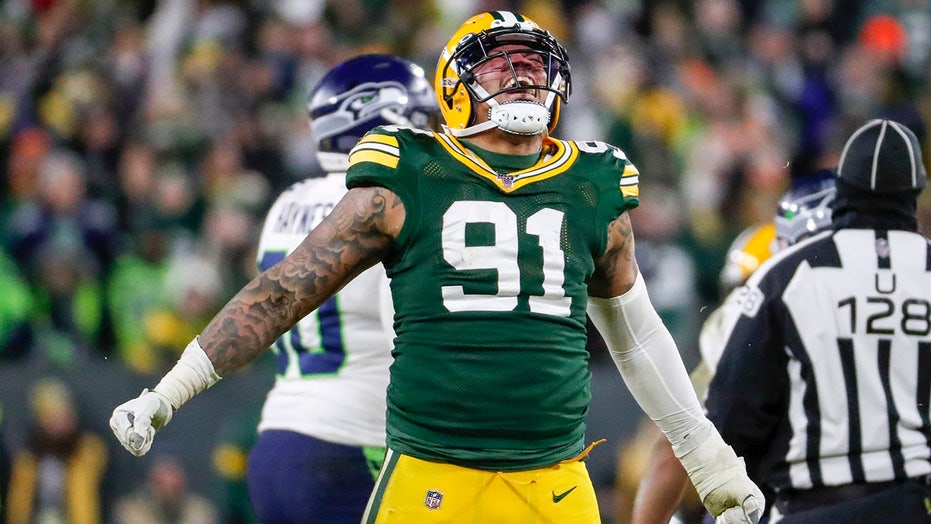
[(135, 422), (720, 477), (738, 515)]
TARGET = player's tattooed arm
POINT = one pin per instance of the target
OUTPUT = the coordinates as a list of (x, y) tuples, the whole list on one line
[(615, 270), (356, 235)]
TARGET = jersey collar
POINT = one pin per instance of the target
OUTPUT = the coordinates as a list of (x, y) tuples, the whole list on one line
[(561, 155)]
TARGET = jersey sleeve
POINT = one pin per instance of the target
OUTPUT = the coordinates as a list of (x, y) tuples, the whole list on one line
[(387, 157), (618, 179), (615, 182), (374, 161), (629, 184)]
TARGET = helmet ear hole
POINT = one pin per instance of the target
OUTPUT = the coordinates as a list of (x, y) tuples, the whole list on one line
[(448, 101)]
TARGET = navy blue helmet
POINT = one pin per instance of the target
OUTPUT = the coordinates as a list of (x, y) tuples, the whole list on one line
[(806, 207), (362, 93)]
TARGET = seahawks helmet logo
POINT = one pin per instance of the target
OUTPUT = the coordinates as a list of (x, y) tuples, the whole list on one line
[(364, 102)]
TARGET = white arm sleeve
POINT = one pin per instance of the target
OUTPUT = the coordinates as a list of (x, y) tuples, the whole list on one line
[(647, 357), (650, 364)]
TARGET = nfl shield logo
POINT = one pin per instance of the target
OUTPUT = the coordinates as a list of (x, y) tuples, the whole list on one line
[(433, 500), (507, 180), (882, 248)]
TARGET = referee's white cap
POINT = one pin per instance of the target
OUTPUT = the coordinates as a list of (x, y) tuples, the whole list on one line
[(883, 156)]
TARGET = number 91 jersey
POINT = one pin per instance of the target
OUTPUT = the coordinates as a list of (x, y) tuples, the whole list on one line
[(489, 282)]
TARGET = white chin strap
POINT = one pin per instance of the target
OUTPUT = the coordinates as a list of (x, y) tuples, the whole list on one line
[(518, 117)]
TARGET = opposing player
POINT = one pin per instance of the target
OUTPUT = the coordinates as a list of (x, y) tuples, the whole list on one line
[(751, 248), (322, 432), (802, 211), (497, 239)]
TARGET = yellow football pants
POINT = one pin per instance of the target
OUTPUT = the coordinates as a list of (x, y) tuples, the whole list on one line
[(413, 491)]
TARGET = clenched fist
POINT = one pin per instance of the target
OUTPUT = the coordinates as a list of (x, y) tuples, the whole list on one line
[(135, 422)]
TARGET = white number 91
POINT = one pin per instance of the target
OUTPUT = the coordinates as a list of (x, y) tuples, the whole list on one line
[(545, 224)]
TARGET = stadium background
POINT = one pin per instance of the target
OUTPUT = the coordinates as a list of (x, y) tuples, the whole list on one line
[(141, 142)]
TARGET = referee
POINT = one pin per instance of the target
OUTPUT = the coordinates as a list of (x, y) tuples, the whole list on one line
[(825, 380)]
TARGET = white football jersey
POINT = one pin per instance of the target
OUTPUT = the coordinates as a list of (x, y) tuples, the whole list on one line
[(332, 367), (720, 322)]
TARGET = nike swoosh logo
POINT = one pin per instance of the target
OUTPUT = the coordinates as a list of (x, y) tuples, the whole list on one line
[(557, 498)]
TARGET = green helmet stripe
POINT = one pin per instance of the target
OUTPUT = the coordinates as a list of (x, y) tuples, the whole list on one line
[(507, 16)]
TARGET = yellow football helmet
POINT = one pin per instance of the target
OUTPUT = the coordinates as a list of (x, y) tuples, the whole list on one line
[(473, 44), (748, 251)]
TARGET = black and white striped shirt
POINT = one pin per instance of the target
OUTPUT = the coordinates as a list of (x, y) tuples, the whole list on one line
[(825, 378)]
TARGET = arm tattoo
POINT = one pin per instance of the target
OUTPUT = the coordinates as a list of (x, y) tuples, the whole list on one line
[(350, 240), (616, 270)]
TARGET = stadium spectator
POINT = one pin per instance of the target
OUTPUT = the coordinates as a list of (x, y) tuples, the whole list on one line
[(165, 496), (65, 242), (137, 179), (235, 439), (16, 312), (138, 295), (58, 476)]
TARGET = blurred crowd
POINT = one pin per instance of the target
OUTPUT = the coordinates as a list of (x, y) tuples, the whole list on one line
[(141, 141)]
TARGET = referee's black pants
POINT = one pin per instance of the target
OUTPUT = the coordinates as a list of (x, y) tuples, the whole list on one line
[(907, 502)]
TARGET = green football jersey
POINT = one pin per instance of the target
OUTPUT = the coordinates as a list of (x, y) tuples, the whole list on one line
[(489, 281)]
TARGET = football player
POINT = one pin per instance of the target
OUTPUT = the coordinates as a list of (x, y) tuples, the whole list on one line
[(498, 239)]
